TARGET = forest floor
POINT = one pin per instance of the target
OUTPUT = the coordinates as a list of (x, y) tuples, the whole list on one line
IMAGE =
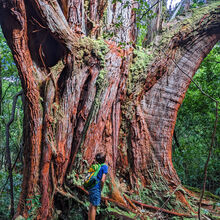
[(112, 210)]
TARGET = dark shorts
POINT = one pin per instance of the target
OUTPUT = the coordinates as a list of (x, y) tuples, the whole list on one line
[(95, 196)]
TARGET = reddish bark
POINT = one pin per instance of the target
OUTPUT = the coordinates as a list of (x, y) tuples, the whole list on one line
[(133, 202), (162, 210), (80, 106)]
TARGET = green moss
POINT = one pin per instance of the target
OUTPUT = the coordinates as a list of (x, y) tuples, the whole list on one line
[(96, 46), (98, 49), (86, 6), (143, 58), (120, 211), (100, 82), (159, 194), (207, 194), (138, 68), (186, 26)]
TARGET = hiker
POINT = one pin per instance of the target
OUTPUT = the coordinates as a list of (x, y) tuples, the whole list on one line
[(95, 191)]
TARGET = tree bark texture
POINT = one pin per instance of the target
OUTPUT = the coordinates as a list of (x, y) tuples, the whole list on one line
[(81, 97)]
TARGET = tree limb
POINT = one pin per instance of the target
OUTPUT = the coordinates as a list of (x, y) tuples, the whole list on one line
[(213, 134), (56, 22)]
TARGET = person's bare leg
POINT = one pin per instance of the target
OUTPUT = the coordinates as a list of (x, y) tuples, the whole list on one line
[(92, 212), (89, 215)]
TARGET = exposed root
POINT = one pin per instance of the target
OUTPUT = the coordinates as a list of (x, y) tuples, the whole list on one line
[(67, 194), (161, 210), (182, 198), (130, 202), (115, 194), (134, 208)]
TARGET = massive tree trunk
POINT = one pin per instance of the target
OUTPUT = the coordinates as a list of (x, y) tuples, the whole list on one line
[(84, 94)]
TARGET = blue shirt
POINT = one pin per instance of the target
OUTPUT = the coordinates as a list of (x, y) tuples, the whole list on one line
[(103, 170), (95, 192)]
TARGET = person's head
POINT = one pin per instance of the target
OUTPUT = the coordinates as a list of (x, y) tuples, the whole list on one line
[(100, 157)]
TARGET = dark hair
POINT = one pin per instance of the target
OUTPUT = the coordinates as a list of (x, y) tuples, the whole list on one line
[(100, 158)]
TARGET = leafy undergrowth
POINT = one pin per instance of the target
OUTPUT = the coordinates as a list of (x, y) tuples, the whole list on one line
[(5, 193), (210, 202), (155, 202), (77, 206)]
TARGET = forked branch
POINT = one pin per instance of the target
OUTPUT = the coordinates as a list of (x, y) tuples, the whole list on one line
[(55, 20)]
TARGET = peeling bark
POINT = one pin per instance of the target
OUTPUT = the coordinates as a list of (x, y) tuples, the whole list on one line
[(77, 102)]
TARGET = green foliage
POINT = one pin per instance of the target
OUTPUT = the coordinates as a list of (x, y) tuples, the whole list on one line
[(5, 194), (197, 3), (10, 86), (33, 206), (111, 208), (207, 194), (143, 12), (105, 190), (75, 179), (7, 62), (194, 127)]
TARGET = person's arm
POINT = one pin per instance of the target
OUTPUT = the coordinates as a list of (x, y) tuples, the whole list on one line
[(103, 180)]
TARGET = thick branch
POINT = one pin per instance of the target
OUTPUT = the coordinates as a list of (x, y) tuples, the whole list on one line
[(51, 12)]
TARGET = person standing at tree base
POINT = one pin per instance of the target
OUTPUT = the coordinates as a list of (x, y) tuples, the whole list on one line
[(95, 192)]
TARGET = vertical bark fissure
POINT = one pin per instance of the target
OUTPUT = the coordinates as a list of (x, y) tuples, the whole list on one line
[(16, 36), (48, 150), (76, 16), (85, 114), (116, 107)]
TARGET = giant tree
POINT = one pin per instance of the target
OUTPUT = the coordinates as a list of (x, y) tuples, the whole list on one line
[(85, 94)]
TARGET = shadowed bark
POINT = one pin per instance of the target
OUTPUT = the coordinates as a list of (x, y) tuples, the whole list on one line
[(82, 97)]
